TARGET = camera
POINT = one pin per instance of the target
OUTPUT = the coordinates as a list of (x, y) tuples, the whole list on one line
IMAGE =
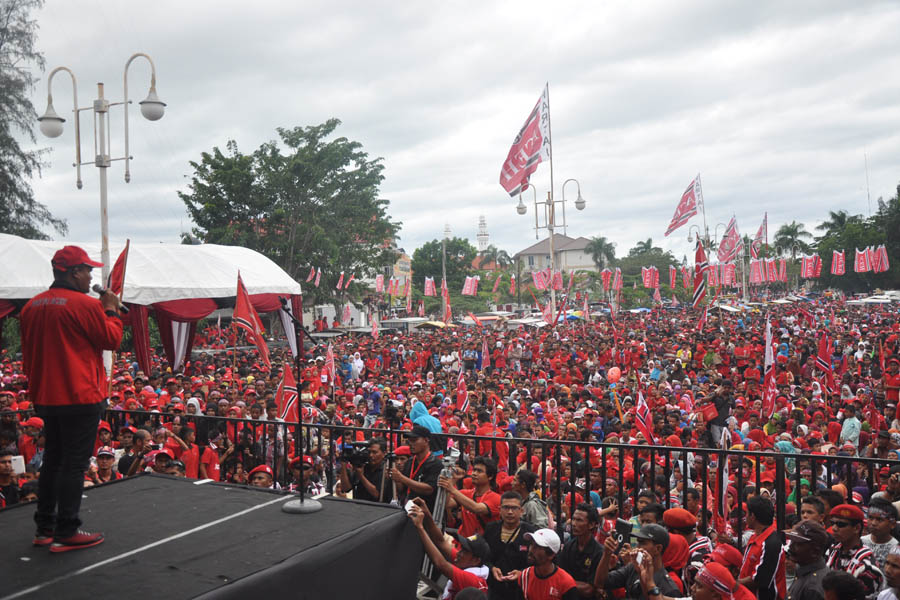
[(357, 453)]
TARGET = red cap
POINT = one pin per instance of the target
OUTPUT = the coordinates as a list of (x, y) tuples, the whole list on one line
[(34, 422), (727, 555), (402, 451), (263, 469), (847, 511), (72, 256), (104, 425)]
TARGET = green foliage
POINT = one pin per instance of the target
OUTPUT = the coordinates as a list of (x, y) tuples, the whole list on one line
[(20, 213), (304, 200), (792, 237), (602, 251), (426, 262)]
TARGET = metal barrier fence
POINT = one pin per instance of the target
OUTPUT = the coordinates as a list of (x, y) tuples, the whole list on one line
[(275, 442)]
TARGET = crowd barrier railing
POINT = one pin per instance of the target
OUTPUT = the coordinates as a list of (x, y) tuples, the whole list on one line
[(559, 461)]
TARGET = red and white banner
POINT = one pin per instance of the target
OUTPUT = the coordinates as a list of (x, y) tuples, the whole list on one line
[(761, 236), (379, 283), (340, 283), (421, 308), (687, 276), (538, 279), (838, 266), (731, 245), (771, 270), (862, 264), (429, 287), (617, 280), (606, 276), (531, 146), (286, 396), (345, 318), (408, 292), (712, 277), (700, 267), (512, 285), (687, 206), (728, 274), (770, 389), (246, 318), (782, 270), (557, 280), (352, 277), (885, 262), (318, 277), (329, 360), (312, 274), (496, 284), (757, 272), (462, 394), (673, 277), (643, 419)]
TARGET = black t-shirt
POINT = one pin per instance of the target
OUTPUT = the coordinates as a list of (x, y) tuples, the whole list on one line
[(10, 494), (580, 564), (507, 556), (125, 463), (424, 472), (374, 475)]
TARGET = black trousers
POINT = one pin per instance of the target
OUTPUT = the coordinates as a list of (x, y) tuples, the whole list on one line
[(69, 445)]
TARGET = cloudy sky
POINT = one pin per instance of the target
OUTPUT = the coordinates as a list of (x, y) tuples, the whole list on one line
[(775, 104)]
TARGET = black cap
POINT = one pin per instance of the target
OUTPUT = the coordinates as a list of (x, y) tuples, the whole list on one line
[(809, 532), (476, 545), (654, 532), (419, 431)]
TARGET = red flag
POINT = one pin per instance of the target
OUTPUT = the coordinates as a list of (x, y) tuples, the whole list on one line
[(374, 327), (732, 244), (643, 419), (246, 318), (605, 276), (286, 396), (531, 146), (496, 284), (462, 394), (421, 308), (345, 318), (352, 277), (770, 389), (312, 274), (429, 287), (116, 282), (700, 267), (861, 264), (485, 354), (687, 206), (761, 235), (340, 282), (512, 285), (318, 277), (673, 276), (379, 283), (329, 362), (476, 319)]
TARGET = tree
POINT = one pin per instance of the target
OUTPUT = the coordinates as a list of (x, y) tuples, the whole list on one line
[(492, 254), (602, 251), (20, 213), (426, 262), (792, 237), (644, 247), (303, 201), (836, 223)]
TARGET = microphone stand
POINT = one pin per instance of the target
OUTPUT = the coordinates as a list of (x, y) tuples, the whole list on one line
[(301, 505)]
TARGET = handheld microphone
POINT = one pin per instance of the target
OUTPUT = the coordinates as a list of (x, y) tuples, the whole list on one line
[(101, 290)]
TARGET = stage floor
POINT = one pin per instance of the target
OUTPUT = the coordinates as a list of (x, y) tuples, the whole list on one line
[(173, 538)]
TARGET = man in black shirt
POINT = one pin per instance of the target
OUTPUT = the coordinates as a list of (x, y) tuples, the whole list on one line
[(368, 481), (723, 402), (418, 478), (653, 539), (139, 445), (9, 489), (581, 554), (509, 548)]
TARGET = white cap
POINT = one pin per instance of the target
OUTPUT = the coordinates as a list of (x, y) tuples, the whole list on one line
[(546, 538)]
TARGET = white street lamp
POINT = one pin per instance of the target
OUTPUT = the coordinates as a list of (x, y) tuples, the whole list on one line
[(51, 125)]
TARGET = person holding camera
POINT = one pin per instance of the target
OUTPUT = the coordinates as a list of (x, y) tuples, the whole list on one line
[(652, 542), (365, 474)]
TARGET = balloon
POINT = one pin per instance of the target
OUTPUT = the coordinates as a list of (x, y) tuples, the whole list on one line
[(614, 374)]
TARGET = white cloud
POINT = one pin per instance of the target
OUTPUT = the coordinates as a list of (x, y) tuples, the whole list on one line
[(773, 103)]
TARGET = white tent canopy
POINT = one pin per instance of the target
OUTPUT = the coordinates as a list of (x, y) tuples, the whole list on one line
[(155, 272)]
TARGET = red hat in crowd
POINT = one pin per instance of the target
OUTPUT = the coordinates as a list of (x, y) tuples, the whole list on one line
[(34, 422), (72, 256), (847, 511), (262, 469)]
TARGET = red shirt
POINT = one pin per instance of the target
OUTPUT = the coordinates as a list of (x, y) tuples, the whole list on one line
[(543, 588), (472, 523), (461, 579), (485, 448), (210, 460), (191, 460), (63, 335)]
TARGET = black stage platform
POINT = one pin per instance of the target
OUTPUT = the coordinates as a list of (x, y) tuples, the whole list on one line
[(172, 538)]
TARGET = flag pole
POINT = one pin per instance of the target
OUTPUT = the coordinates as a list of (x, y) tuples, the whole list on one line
[(551, 220)]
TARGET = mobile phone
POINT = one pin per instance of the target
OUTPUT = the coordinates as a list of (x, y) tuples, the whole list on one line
[(622, 533), (409, 506)]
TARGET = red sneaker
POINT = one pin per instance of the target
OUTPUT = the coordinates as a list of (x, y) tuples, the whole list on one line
[(81, 539), (42, 539)]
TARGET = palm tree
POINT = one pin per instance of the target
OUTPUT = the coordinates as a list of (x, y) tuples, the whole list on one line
[(643, 247), (503, 258), (791, 236), (489, 255), (836, 222), (602, 251)]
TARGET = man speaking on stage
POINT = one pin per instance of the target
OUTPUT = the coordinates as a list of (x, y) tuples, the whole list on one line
[(64, 333)]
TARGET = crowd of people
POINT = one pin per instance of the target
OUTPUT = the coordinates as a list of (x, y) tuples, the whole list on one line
[(534, 518)]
